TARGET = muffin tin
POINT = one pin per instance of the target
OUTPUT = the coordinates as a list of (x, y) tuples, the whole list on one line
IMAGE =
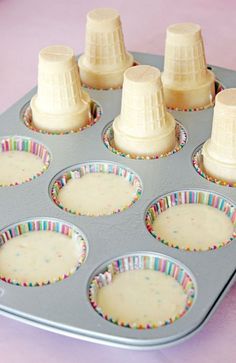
[(65, 306)]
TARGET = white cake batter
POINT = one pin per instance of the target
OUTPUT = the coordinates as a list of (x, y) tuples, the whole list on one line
[(142, 297), (194, 226), (18, 166), (97, 194), (39, 256)]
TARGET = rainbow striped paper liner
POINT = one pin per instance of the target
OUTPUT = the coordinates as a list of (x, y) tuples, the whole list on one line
[(44, 225), (190, 197), (141, 262), (218, 88), (107, 89), (108, 139), (26, 117), (198, 166), (81, 170), (17, 143)]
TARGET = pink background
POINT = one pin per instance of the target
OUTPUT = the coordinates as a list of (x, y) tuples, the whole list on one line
[(28, 25)]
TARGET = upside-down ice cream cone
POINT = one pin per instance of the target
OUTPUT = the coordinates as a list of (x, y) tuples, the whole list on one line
[(105, 58), (144, 127), (60, 104), (186, 80)]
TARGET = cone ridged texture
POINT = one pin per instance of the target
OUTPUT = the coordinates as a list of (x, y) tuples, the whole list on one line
[(59, 92), (105, 58), (187, 81), (144, 121)]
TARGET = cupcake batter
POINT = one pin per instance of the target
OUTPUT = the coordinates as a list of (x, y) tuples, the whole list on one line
[(194, 226), (39, 257), (18, 166), (142, 297), (97, 194)]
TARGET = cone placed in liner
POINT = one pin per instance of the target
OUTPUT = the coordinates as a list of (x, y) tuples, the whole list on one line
[(60, 104), (144, 127), (105, 58), (186, 80), (219, 152)]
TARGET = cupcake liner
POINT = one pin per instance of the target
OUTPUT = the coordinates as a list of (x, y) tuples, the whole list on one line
[(99, 167), (190, 197), (107, 89), (108, 139), (18, 143), (45, 224), (218, 88), (26, 117), (142, 262), (198, 166)]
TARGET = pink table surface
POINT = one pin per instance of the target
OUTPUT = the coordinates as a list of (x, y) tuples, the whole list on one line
[(27, 26)]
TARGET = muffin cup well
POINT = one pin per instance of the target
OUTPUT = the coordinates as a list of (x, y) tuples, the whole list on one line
[(18, 143), (45, 224), (108, 139), (190, 197), (26, 117), (79, 171), (143, 262)]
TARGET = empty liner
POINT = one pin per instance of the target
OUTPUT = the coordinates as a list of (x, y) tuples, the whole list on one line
[(179, 198), (28, 173), (130, 180), (218, 88), (167, 269), (108, 139), (70, 251), (197, 160), (26, 117)]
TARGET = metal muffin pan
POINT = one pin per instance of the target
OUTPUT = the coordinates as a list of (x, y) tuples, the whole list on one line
[(64, 306)]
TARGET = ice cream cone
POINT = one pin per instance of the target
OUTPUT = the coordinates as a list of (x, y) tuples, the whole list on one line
[(60, 104), (219, 152), (144, 127), (105, 58), (186, 80)]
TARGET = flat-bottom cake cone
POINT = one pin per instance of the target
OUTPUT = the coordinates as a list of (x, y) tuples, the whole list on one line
[(217, 168), (158, 144), (61, 122)]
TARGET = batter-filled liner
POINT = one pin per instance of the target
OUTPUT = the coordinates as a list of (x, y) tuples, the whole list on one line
[(190, 218), (94, 116), (96, 188), (40, 251), (148, 291), (108, 139), (22, 160)]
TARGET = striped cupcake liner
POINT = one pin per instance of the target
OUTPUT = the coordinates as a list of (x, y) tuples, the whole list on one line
[(99, 167), (190, 197), (18, 143), (198, 166), (142, 262), (26, 117), (218, 88), (108, 139), (44, 224), (107, 89)]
